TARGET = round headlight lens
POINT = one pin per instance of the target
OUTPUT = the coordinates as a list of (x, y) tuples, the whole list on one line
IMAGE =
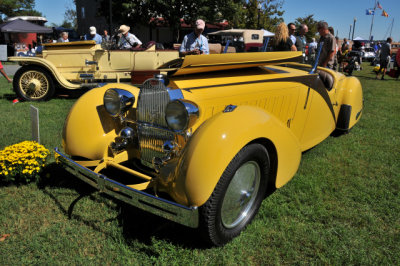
[(117, 101), (176, 115)]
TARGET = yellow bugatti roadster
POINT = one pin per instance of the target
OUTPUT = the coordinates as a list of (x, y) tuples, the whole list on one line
[(204, 144)]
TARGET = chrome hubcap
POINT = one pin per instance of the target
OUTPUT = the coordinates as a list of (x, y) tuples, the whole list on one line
[(241, 194)]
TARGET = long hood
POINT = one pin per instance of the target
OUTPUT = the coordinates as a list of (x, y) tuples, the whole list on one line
[(217, 62)]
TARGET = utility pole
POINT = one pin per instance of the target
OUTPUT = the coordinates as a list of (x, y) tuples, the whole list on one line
[(354, 27), (350, 32)]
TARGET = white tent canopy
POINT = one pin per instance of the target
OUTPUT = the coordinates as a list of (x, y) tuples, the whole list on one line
[(359, 39), (268, 33)]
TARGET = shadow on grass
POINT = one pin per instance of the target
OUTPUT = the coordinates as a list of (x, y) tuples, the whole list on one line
[(137, 225)]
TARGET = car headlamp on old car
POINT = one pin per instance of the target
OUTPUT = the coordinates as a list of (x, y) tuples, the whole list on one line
[(117, 101), (181, 115)]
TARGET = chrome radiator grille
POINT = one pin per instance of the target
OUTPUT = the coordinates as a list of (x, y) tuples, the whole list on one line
[(152, 128)]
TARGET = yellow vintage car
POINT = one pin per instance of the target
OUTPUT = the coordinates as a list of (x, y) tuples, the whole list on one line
[(83, 64), (204, 144)]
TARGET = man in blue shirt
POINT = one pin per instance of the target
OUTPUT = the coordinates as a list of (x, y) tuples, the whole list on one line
[(195, 42), (93, 35)]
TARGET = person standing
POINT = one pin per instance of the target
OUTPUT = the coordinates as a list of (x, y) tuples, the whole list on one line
[(106, 37), (312, 48), (127, 39), (4, 73), (63, 37), (301, 40), (327, 56), (384, 57), (282, 41), (93, 35), (195, 42), (292, 30)]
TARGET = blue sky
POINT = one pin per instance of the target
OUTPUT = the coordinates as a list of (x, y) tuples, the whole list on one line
[(339, 14)]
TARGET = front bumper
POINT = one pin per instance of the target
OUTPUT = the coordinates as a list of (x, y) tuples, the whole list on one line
[(188, 216)]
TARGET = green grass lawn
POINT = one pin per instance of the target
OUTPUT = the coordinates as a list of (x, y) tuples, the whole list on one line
[(342, 207)]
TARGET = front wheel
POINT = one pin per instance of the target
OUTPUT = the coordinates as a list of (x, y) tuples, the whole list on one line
[(32, 83), (237, 196)]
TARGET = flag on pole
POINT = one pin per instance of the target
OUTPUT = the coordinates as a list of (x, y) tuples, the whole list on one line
[(385, 14), (378, 5), (370, 12)]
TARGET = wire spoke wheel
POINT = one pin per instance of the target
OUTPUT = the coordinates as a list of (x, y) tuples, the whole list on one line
[(32, 83)]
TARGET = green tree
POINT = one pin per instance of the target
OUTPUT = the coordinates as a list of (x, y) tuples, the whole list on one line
[(70, 18), (239, 13), (311, 24), (12, 8), (263, 14)]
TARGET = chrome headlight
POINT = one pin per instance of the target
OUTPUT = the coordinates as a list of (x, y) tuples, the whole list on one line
[(181, 115), (117, 101)]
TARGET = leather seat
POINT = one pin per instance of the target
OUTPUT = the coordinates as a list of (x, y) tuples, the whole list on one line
[(326, 78)]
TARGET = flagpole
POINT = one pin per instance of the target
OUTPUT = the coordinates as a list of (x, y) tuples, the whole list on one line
[(391, 28), (372, 22)]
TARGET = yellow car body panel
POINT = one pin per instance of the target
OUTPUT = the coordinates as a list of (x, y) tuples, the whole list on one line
[(73, 65), (219, 139), (88, 128), (60, 78), (235, 100)]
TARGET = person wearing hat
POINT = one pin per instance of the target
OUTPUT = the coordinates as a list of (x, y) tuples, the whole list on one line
[(93, 35), (127, 40), (195, 42)]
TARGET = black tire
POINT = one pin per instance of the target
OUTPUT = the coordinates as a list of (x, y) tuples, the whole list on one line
[(219, 221), (33, 83)]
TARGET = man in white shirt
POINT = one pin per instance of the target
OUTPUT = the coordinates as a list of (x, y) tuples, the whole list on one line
[(127, 39), (292, 30)]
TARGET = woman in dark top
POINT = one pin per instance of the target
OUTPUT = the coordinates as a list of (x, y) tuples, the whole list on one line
[(282, 41)]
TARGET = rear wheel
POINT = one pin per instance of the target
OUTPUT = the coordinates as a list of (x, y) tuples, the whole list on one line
[(33, 83), (237, 196)]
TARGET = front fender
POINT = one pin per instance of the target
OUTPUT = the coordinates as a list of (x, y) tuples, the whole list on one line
[(89, 129), (46, 65), (218, 140)]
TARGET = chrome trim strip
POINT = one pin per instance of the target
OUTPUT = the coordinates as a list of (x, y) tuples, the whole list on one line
[(178, 213)]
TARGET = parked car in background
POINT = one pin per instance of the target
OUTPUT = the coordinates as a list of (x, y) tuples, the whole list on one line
[(242, 40), (76, 65), (368, 54), (204, 145)]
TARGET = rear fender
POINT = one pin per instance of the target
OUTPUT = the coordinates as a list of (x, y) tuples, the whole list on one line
[(218, 140), (351, 105)]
